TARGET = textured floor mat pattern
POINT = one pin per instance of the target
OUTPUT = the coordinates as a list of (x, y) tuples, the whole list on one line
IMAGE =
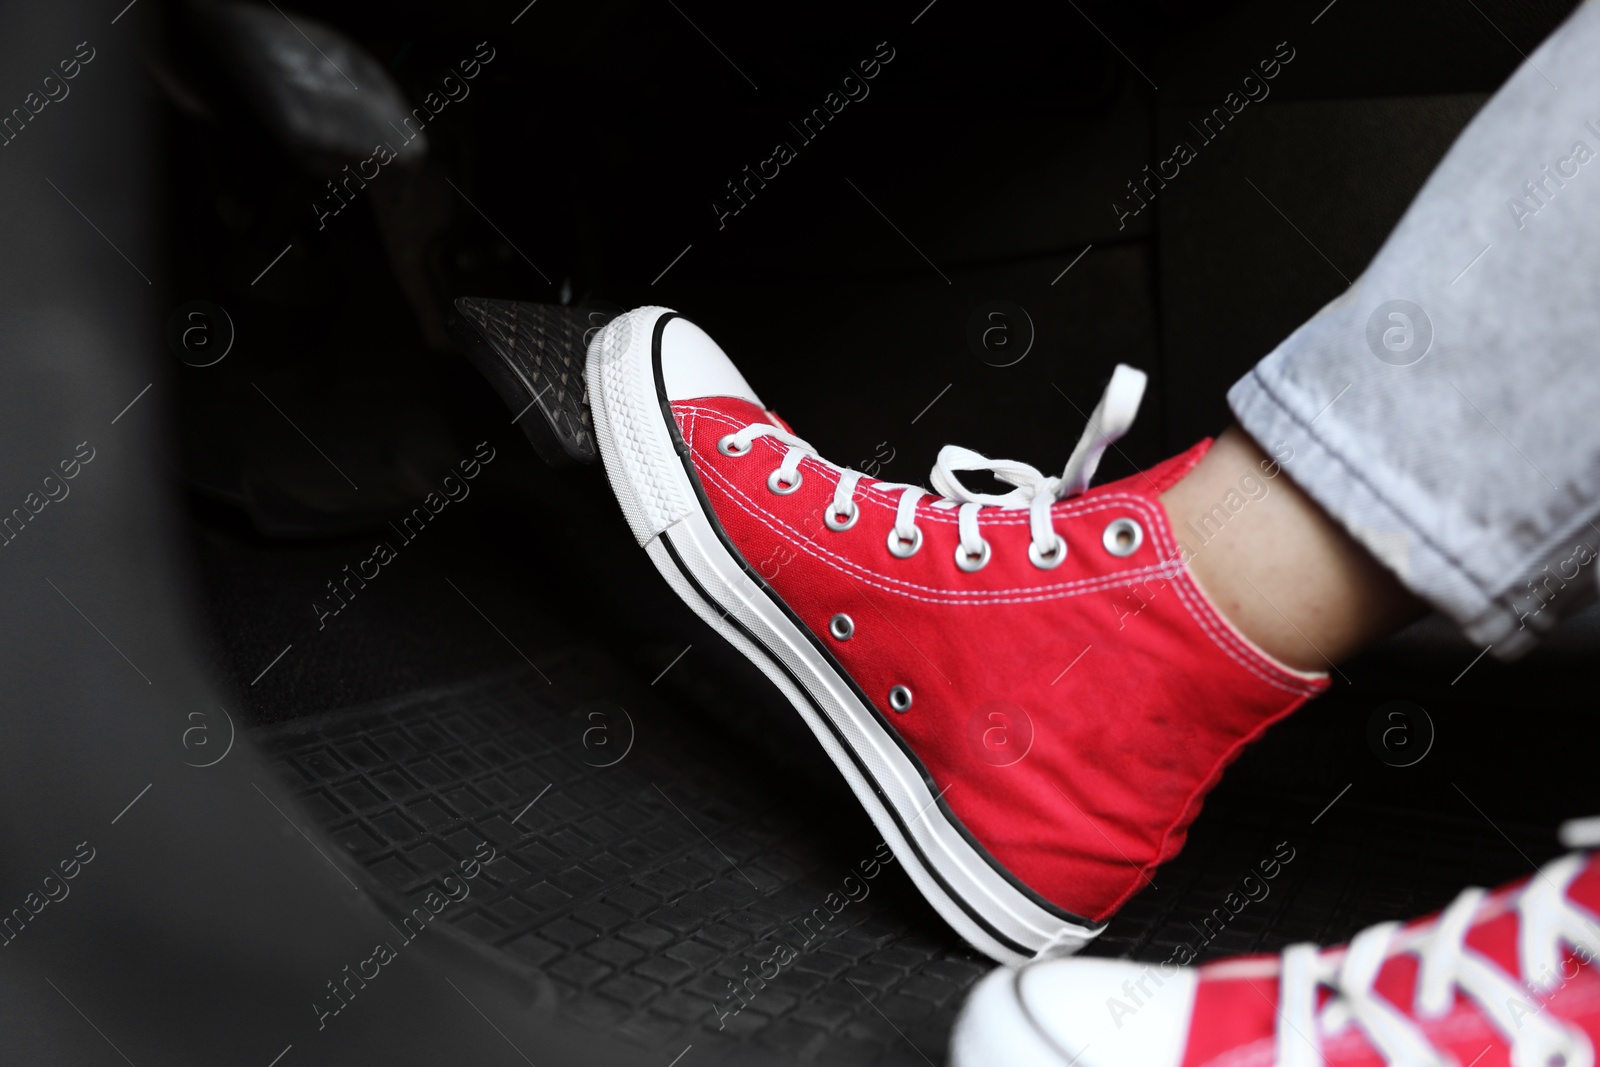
[(642, 890), (647, 891)]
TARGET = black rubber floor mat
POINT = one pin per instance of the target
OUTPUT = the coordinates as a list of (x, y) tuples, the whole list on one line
[(647, 889), (681, 890)]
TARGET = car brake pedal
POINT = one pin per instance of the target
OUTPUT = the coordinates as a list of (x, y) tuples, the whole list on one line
[(533, 355)]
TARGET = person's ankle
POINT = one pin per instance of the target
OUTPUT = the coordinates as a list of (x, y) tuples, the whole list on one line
[(1277, 567)]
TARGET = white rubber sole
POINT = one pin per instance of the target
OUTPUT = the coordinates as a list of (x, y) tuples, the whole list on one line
[(639, 446)]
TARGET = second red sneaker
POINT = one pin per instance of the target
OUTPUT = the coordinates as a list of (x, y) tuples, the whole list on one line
[(1503, 979), (1027, 691)]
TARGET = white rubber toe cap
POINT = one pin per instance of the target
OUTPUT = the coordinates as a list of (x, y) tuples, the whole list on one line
[(693, 366), (1082, 1013)]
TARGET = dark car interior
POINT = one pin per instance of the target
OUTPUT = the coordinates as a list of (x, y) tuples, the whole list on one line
[(350, 555)]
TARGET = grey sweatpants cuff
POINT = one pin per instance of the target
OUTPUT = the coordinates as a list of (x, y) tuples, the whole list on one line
[(1443, 408), (1382, 510)]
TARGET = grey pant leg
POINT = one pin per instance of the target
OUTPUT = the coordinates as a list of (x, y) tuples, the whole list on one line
[(1446, 408)]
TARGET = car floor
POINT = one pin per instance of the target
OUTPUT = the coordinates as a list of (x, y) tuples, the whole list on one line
[(664, 825), (664, 828)]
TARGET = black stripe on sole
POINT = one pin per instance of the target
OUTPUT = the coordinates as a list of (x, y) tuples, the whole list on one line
[(685, 457)]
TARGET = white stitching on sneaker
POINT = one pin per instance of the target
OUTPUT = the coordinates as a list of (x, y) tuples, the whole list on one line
[(1220, 631), (1032, 489), (901, 587), (1246, 657)]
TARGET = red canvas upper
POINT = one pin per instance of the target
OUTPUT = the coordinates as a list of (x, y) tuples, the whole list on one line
[(1073, 718), (1236, 1008)]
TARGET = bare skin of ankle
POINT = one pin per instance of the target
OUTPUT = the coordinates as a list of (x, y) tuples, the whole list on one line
[(1283, 572)]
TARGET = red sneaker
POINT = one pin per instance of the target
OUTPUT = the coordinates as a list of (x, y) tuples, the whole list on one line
[(1502, 979), (1027, 692)]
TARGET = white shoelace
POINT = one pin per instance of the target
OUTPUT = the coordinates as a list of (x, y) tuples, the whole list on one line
[(1033, 490), (1548, 921)]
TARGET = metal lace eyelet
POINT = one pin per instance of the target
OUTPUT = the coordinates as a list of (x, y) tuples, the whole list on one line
[(781, 486), (842, 627), (968, 562), (1123, 537), (833, 522), (900, 699), (1048, 560), (900, 548), (726, 445)]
